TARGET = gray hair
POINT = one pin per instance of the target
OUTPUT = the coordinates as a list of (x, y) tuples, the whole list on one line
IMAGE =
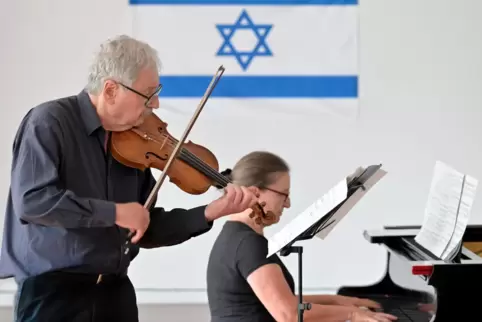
[(120, 59)]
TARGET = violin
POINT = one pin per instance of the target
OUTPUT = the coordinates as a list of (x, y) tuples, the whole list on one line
[(191, 167)]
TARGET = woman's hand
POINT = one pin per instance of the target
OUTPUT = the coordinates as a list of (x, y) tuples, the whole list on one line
[(368, 316), (356, 302)]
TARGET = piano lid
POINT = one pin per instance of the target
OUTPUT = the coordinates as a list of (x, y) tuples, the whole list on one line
[(473, 233)]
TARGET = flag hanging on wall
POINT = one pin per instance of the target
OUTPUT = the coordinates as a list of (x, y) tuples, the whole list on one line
[(297, 52)]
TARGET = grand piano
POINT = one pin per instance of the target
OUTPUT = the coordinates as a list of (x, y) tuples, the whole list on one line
[(446, 287)]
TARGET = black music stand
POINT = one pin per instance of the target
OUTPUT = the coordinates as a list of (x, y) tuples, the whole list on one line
[(357, 185)]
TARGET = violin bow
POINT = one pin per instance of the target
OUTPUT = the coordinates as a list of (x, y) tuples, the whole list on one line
[(175, 152)]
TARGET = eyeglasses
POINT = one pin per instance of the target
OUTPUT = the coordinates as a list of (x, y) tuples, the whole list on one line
[(148, 98), (286, 195)]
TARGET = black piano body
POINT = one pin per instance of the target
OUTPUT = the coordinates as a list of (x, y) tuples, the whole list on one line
[(449, 285)]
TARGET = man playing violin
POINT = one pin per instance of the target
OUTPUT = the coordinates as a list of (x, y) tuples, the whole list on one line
[(71, 205)]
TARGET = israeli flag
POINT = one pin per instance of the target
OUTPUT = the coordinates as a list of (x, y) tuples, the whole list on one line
[(273, 50)]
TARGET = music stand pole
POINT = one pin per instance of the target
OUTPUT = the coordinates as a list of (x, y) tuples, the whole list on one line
[(302, 307)]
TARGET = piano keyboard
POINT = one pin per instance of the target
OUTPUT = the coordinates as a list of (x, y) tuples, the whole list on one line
[(404, 309), (409, 315)]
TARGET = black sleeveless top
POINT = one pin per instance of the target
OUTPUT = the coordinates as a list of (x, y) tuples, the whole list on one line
[(236, 253)]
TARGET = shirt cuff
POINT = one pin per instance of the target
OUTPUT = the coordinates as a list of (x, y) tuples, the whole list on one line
[(104, 213), (197, 220)]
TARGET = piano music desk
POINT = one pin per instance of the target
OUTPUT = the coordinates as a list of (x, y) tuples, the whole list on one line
[(475, 247)]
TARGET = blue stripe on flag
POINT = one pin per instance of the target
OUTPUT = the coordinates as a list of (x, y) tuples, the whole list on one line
[(262, 86), (247, 2)]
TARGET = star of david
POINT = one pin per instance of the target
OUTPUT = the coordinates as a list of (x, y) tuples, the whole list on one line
[(244, 58)]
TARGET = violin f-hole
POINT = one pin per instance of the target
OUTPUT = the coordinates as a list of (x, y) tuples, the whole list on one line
[(157, 156)]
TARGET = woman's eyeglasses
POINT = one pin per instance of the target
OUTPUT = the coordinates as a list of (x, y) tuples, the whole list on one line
[(286, 195)]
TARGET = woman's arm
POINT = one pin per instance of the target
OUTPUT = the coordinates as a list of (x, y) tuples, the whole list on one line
[(341, 300), (270, 286), (322, 299)]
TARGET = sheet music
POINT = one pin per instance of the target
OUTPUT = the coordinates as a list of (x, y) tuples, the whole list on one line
[(308, 217), (447, 212), (352, 201)]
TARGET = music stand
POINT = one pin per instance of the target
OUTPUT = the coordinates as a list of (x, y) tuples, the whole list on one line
[(358, 184)]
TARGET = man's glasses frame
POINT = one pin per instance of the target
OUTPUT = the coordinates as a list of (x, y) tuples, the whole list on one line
[(148, 98)]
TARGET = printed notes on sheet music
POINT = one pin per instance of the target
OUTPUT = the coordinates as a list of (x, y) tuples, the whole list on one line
[(309, 217), (447, 211)]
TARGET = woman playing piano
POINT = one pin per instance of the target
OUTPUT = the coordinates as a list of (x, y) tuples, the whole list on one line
[(244, 285)]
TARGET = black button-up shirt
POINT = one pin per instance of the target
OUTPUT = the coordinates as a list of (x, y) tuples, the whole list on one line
[(61, 206)]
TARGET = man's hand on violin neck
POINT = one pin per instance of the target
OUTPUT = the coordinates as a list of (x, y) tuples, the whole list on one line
[(235, 199), (133, 216)]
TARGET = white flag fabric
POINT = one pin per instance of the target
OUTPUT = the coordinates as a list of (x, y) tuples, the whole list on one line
[(290, 54), (291, 73)]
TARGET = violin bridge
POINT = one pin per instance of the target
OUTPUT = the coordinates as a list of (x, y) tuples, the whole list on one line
[(142, 134)]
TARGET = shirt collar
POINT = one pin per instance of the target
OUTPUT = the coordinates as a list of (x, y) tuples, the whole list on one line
[(88, 113)]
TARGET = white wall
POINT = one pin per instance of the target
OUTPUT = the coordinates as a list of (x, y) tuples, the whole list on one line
[(420, 100)]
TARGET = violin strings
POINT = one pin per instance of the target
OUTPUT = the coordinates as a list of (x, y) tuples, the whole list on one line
[(185, 154), (194, 160)]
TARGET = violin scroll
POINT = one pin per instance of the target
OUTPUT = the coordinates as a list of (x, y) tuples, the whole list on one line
[(261, 217)]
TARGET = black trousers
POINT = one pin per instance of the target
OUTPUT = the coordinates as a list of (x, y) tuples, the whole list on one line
[(74, 297)]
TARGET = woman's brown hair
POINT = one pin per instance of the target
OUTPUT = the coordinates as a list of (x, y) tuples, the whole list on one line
[(259, 169)]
